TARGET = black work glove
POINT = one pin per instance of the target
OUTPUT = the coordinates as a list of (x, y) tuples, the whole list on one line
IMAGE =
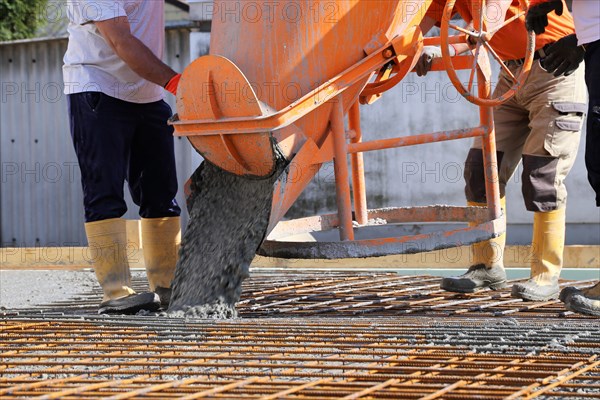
[(537, 15), (563, 57), (424, 64)]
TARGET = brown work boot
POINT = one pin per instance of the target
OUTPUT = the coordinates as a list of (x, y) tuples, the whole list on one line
[(476, 278), (567, 292), (584, 301), (487, 270)]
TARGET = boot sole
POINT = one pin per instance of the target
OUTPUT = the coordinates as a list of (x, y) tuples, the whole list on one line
[(131, 305), (582, 309), (494, 286), (165, 296), (586, 311), (568, 292), (532, 297)]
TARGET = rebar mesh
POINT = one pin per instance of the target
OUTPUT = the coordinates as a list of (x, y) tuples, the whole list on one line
[(354, 294), (424, 346)]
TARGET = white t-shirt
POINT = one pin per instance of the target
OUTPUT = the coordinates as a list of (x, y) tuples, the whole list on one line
[(586, 14), (90, 64)]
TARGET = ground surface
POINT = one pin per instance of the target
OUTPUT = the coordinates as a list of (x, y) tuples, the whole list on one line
[(311, 335), (21, 289)]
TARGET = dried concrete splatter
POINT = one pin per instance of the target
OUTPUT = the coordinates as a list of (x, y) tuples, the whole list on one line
[(21, 289), (229, 216)]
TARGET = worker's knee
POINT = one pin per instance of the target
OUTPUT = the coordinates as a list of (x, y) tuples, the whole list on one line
[(109, 208), (475, 175), (540, 190)]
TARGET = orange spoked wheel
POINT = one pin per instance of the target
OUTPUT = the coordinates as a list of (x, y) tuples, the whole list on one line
[(481, 54)]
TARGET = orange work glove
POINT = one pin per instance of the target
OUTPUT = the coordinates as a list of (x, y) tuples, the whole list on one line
[(171, 86)]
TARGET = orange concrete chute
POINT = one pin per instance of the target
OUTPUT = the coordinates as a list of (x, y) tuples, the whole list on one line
[(272, 72)]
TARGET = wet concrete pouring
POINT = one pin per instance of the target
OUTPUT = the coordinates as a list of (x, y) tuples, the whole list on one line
[(229, 216), (318, 335)]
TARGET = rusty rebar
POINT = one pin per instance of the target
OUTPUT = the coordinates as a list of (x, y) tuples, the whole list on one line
[(310, 336)]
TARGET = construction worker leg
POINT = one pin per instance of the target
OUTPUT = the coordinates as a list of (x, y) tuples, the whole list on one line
[(151, 172), (487, 267), (547, 247), (592, 147), (549, 153), (490, 252), (108, 248), (161, 238), (152, 183), (102, 129), (587, 301)]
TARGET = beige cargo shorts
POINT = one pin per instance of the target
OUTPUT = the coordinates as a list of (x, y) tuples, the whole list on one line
[(541, 126)]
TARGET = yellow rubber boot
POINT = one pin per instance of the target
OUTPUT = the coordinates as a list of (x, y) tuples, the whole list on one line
[(161, 238), (490, 252), (547, 248), (107, 241), (487, 268)]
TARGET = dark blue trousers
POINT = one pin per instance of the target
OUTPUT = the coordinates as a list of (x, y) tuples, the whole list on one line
[(592, 143), (118, 141)]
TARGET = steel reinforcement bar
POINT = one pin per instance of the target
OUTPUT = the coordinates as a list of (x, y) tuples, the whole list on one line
[(318, 335), (350, 294), (409, 357)]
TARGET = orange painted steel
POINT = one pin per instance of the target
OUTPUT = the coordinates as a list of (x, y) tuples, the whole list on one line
[(288, 239), (416, 139), (482, 48), (358, 169), (303, 54), (340, 164), (490, 162), (400, 66), (236, 108)]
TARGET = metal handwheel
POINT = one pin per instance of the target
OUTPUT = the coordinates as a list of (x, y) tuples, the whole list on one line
[(481, 58)]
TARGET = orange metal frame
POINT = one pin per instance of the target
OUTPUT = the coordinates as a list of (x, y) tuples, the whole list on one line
[(491, 222), (398, 56)]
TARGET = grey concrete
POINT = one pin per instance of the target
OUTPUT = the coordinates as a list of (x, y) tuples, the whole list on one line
[(25, 289), (577, 234), (234, 211)]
